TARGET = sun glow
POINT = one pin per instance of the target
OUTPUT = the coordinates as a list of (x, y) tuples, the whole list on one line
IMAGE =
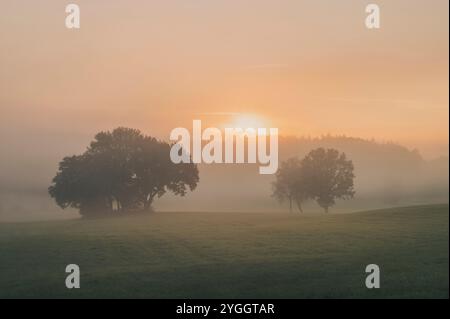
[(245, 121)]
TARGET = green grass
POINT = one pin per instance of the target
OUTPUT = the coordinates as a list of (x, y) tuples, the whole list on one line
[(231, 255)]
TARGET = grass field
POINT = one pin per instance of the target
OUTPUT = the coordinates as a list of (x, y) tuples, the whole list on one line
[(231, 255)]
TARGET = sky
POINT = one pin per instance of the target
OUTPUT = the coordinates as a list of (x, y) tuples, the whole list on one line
[(306, 67)]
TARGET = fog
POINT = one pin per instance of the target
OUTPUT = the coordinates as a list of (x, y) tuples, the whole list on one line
[(305, 67), (387, 174)]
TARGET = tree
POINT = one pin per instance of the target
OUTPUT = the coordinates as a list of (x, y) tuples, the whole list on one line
[(329, 176), (156, 174), (121, 171), (289, 184), (323, 175)]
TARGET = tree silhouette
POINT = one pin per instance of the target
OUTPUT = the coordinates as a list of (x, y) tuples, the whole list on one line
[(324, 175), (289, 184), (329, 176), (120, 171)]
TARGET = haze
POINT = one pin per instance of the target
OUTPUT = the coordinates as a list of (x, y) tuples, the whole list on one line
[(309, 68)]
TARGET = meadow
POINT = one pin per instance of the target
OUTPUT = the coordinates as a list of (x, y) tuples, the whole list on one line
[(231, 255)]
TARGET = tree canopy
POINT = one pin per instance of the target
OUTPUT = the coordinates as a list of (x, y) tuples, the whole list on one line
[(120, 171), (324, 175)]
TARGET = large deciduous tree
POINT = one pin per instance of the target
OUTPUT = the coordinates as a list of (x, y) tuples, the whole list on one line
[(120, 171)]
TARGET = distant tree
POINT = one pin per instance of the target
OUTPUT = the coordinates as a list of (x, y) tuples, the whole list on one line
[(289, 184), (323, 175), (121, 171), (328, 176)]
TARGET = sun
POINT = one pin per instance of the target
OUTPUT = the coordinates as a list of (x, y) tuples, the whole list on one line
[(245, 121)]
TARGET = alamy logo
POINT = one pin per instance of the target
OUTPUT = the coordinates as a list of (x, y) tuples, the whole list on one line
[(373, 17), (73, 17), (373, 279), (73, 279), (262, 146)]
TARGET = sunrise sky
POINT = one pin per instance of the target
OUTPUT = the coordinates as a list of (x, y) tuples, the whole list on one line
[(306, 67)]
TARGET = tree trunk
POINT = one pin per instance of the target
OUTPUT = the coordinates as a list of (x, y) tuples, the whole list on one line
[(148, 207), (299, 206), (148, 202)]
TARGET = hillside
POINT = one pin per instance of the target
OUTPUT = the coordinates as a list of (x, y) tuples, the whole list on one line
[(231, 255)]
